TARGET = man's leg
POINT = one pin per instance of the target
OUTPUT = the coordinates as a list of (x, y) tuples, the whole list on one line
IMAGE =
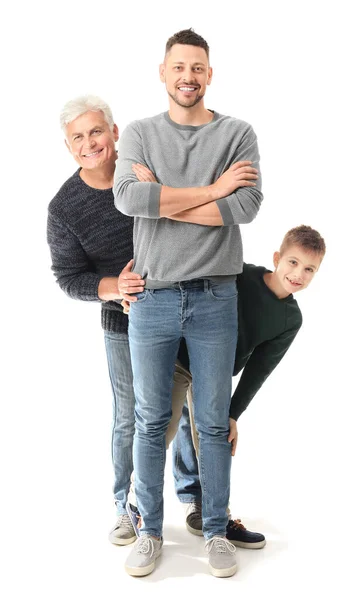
[(154, 333), (211, 338), (120, 372), (181, 384)]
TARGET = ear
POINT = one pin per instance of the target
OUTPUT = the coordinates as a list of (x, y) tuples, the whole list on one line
[(210, 75), (276, 259), (115, 133), (162, 72)]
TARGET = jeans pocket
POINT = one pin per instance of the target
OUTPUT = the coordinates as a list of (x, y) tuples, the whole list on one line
[(141, 296), (223, 291)]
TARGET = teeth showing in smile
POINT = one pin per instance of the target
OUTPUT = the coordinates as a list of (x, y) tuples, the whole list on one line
[(187, 89), (92, 153), (293, 282)]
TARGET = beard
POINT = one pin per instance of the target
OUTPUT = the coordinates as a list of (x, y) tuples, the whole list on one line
[(188, 104)]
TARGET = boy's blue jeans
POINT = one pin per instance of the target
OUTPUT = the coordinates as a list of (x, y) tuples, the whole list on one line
[(205, 314)]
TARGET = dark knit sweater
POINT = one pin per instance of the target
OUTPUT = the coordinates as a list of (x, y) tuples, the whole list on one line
[(267, 328), (89, 239)]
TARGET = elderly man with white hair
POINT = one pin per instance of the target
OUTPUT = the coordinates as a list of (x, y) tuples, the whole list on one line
[(91, 243)]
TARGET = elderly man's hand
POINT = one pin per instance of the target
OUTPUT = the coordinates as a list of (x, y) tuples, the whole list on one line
[(129, 283)]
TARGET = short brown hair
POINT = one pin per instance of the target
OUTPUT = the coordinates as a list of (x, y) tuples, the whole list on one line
[(187, 37), (306, 237)]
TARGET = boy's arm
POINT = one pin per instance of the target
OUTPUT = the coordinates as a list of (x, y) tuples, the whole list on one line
[(261, 363), (153, 200)]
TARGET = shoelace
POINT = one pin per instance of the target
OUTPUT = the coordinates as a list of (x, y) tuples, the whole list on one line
[(123, 522), (221, 545), (145, 545), (237, 524), (195, 509)]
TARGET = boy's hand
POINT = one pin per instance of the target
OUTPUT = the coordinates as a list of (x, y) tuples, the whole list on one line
[(143, 174), (233, 435), (129, 283)]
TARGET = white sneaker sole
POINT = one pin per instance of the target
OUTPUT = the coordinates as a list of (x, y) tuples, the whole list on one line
[(121, 541), (142, 571), (193, 531), (248, 546), (229, 572)]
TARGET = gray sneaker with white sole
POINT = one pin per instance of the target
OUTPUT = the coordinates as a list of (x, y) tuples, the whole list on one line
[(123, 532), (141, 560), (222, 562)]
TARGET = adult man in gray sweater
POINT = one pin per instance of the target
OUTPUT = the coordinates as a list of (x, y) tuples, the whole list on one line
[(187, 246)]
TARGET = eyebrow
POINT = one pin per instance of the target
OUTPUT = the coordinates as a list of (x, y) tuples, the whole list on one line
[(180, 62), (91, 130)]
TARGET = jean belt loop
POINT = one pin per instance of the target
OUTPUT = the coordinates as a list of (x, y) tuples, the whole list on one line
[(206, 285)]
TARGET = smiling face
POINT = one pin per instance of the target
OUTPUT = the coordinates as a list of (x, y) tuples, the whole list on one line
[(91, 141), (186, 73), (294, 269)]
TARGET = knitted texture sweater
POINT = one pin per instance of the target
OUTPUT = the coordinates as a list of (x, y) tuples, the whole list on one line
[(89, 239)]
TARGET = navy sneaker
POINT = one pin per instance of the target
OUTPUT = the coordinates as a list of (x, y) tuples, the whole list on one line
[(135, 517), (242, 537)]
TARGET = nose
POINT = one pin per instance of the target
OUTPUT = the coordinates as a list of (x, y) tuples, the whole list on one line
[(89, 142), (188, 76)]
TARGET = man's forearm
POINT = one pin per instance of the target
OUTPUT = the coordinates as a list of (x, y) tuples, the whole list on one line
[(177, 200), (108, 289), (207, 214)]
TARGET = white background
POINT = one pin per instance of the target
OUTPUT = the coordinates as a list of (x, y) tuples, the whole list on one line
[(289, 69)]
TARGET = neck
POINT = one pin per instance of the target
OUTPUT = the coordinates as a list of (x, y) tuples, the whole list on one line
[(275, 286), (101, 178), (193, 115)]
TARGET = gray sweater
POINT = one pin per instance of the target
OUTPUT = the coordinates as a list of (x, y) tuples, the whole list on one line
[(181, 156)]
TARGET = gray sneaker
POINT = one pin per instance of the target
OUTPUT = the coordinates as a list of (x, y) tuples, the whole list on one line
[(141, 560), (222, 562), (194, 518), (123, 532)]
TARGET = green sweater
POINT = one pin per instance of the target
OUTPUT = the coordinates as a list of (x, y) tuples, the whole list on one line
[(267, 328)]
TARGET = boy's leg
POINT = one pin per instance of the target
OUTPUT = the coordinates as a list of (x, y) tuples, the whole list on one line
[(120, 372)]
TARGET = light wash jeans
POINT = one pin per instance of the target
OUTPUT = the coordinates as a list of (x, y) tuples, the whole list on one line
[(205, 315), (120, 372)]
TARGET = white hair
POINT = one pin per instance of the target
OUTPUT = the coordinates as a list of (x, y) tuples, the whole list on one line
[(79, 106)]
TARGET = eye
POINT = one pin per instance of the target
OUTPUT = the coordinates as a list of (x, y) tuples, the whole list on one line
[(293, 262), (198, 69), (177, 68), (309, 269), (97, 131), (76, 138)]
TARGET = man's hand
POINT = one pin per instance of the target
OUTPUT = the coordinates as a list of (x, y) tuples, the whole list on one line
[(233, 435), (240, 174), (143, 174), (126, 306), (129, 283)]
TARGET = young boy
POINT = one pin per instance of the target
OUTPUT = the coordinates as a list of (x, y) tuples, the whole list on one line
[(269, 319)]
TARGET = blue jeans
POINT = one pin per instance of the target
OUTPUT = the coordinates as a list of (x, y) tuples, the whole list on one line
[(120, 372), (185, 463), (205, 314)]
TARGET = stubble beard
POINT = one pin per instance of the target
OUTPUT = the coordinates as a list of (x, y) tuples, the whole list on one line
[(194, 102)]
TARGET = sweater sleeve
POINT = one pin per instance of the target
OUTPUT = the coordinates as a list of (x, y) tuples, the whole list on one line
[(263, 360), (70, 264), (132, 197), (243, 205)]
